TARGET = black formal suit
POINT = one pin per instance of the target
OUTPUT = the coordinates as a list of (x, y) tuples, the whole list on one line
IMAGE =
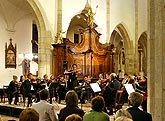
[(30, 89), (12, 92), (139, 115)]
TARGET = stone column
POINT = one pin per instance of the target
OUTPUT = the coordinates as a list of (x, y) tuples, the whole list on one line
[(45, 54), (136, 37), (156, 60), (108, 20), (129, 61)]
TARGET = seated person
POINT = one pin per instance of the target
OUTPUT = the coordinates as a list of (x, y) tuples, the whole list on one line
[(96, 114), (123, 113), (73, 117), (134, 100), (46, 111), (12, 90), (84, 90), (123, 118), (29, 114), (71, 100)]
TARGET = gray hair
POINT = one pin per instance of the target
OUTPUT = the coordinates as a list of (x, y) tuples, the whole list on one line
[(135, 99), (123, 118), (124, 113)]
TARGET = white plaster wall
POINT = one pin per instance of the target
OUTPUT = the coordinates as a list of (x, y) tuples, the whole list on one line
[(49, 8), (123, 11), (142, 15), (72, 7), (22, 38)]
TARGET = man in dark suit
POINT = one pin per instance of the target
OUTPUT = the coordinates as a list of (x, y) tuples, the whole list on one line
[(134, 100), (12, 90), (30, 88)]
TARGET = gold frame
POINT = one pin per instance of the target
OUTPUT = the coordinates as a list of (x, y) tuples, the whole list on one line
[(10, 55)]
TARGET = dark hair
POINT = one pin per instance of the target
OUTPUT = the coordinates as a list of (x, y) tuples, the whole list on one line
[(98, 103), (125, 74), (86, 75), (74, 65), (29, 114), (44, 94), (71, 98), (29, 74)]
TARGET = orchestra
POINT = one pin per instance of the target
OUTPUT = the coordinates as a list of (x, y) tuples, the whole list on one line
[(58, 87)]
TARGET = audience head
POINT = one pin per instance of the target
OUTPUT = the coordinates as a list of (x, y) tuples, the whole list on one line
[(98, 103), (44, 94), (71, 98), (73, 117), (29, 114), (124, 113), (135, 99), (123, 118)]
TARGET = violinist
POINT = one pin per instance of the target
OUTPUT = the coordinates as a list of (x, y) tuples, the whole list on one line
[(45, 82), (62, 88), (12, 90), (141, 87), (85, 89), (73, 74), (53, 88)]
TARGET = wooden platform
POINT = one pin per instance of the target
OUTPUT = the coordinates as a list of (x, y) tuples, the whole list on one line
[(10, 110)]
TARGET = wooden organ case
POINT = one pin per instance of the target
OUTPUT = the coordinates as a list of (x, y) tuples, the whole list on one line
[(90, 56)]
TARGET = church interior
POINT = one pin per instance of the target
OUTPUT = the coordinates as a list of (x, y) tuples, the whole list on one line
[(46, 37)]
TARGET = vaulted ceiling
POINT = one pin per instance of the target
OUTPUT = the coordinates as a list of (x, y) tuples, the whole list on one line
[(14, 10)]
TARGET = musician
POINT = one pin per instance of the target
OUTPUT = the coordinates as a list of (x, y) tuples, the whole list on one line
[(53, 88), (45, 82), (12, 90), (85, 89), (22, 90), (101, 79), (30, 88), (125, 80), (107, 93), (73, 74), (141, 87), (62, 88)]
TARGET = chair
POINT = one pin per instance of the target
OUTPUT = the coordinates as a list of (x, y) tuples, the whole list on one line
[(5, 93), (118, 100)]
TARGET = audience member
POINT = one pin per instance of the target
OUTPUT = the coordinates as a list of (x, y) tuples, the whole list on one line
[(29, 114), (96, 114), (123, 113), (134, 100), (71, 100), (73, 117), (46, 111), (123, 118)]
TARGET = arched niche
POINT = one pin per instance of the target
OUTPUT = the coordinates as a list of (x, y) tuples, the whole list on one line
[(142, 49), (124, 51)]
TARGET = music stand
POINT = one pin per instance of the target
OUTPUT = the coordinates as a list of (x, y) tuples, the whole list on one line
[(95, 87), (129, 88)]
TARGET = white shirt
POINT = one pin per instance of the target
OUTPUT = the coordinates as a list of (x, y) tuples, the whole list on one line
[(46, 111)]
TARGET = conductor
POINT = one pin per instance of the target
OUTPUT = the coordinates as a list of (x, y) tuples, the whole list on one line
[(73, 74)]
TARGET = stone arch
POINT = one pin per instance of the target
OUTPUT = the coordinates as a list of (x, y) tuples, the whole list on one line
[(142, 49), (44, 39), (120, 38)]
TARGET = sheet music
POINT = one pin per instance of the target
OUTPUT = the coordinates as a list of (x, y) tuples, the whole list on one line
[(95, 87), (129, 88)]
